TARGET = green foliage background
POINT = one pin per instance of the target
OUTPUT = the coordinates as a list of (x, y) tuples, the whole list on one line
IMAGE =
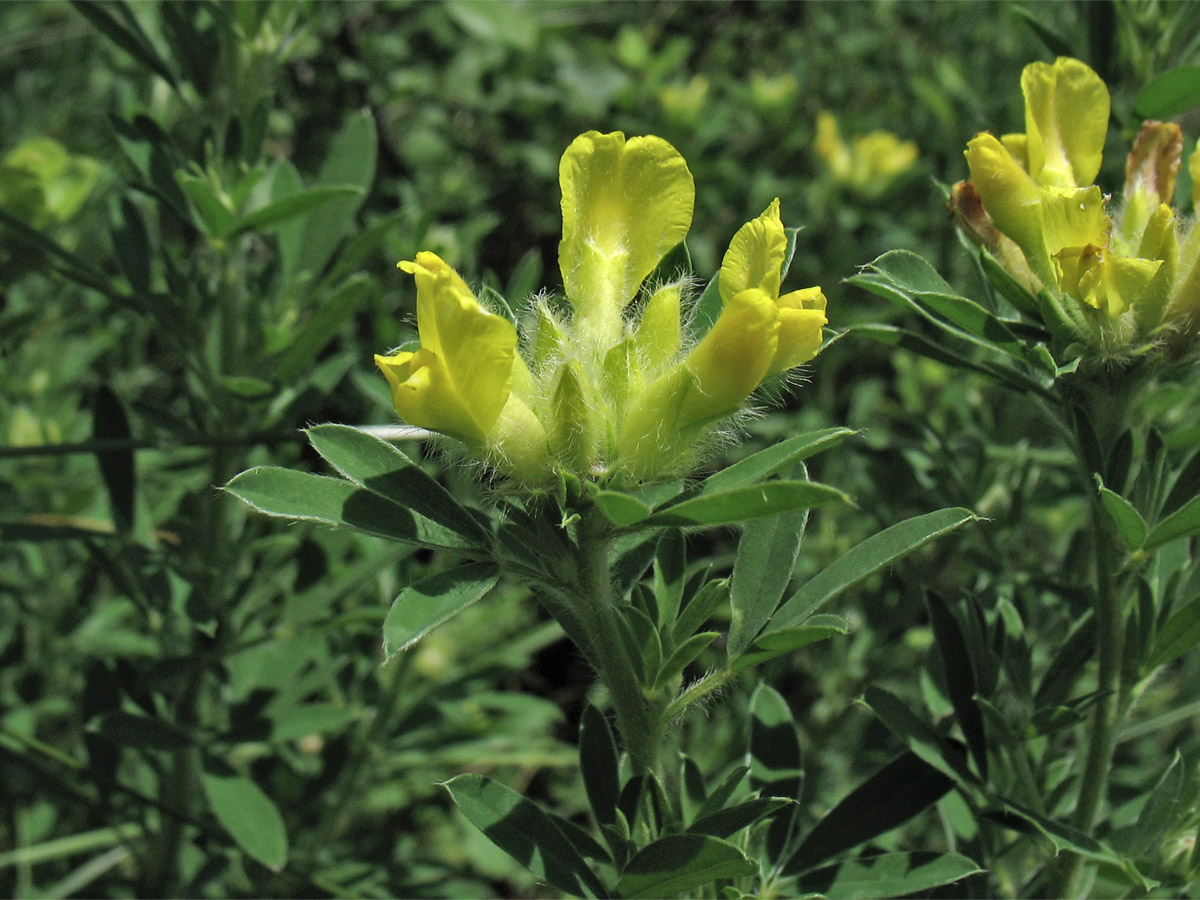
[(212, 269)]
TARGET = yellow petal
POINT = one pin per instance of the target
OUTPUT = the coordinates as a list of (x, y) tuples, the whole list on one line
[(464, 369), (424, 395), (801, 318), (755, 256), (732, 359), (1011, 198), (1194, 171), (624, 205), (1073, 217), (1118, 283), (830, 146), (658, 335), (1066, 120)]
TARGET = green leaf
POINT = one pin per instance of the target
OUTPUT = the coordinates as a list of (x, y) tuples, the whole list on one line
[(1171, 93), (762, 569), (322, 327), (683, 655), (698, 610), (959, 672), (1179, 635), (1128, 521), (731, 820), (776, 761), (1166, 803), (215, 212), (247, 813), (333, 501), (379, 467), (918, 734), (621, 509), (278, 212), (1065, 837), (770, 498), (1184, 522), (524, 832), (350, 162), (109, 422), (893, 336), (126, 34), (889, 875), (426, 604), (875, 553), (902, 789), (784, 640), (774, 459), (720, 796), (134, 730), (599, 765), (680, 864), (131, 246)]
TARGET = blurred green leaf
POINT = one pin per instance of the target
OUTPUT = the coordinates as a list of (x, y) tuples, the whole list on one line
[(959, 672), (1184, 522), (875, 553), (423, 606), (121, 27), (888, 875), (1178, 635), (293, 206), (776, 760), (770, 498), (1170, 94), (350, 163), (679, 864), (134, 730), (524, 832), (247, 813), (117, 469), (1128, 521), (322, 327)]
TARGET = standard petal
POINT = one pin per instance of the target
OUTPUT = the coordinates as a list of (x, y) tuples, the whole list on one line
[(624, 205), (1066, 120), (755, 256)]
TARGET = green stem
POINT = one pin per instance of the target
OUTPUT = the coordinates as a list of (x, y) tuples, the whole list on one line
[(605, 647)]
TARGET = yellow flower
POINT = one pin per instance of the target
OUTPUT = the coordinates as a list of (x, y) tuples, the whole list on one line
[(607, 392), (1111, 277), (870, 163)]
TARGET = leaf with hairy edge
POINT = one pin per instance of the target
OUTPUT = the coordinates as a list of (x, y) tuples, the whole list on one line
[(680, 864), (875, 553), (920, 736), (290, 494), (766, 555), (733, 819), (1179, 635), (1128, 521), (769, 498), (774, 459), (382, 469), (526, 833), (426, 604), (888, 875), (778, 643)]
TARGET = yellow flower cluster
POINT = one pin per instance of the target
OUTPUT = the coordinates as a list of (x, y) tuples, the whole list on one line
[(610, 387), (870, 163), (1119, 278)]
